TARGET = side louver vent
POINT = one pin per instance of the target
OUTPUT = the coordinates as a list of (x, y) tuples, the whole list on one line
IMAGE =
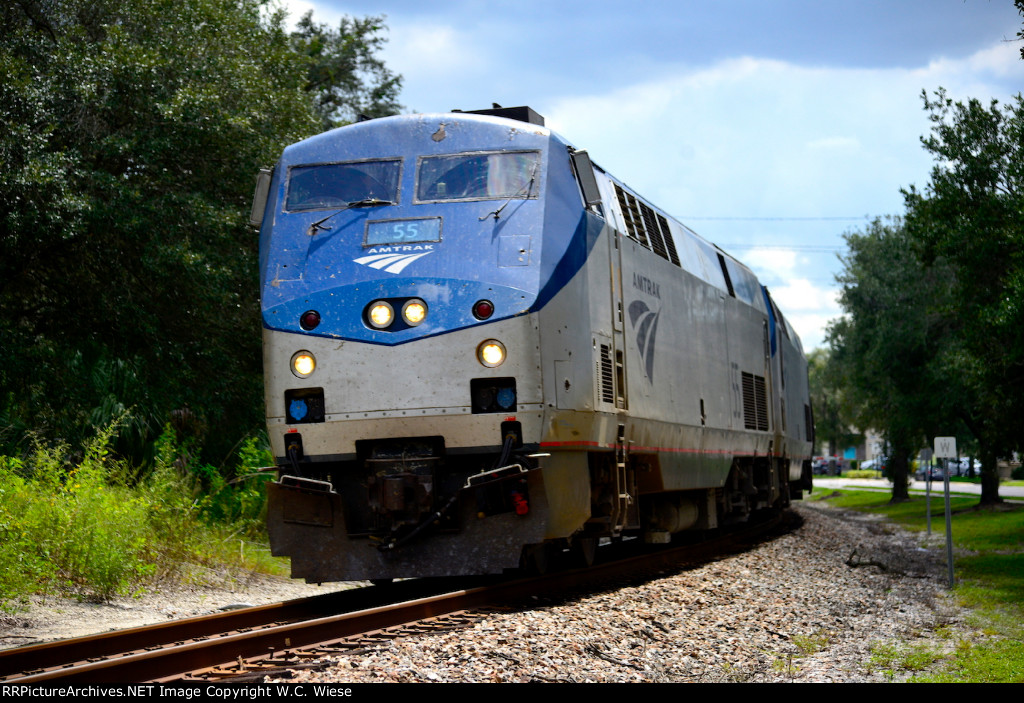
[(646, 226), (755, 403), (606, 373), (673, 256)]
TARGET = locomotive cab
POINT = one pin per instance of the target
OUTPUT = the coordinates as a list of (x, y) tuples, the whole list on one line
[(477, 342), (400, 261)]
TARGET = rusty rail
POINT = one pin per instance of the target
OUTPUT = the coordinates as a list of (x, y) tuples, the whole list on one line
[(221, 643)]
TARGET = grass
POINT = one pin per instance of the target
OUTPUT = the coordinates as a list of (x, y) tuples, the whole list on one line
[(810, 644), (892, 659), (86, 524), (989, 569)]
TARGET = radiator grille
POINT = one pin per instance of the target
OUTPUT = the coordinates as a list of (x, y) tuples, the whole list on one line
[(606, 372), (673, 256), (755, 403), (647, 226)]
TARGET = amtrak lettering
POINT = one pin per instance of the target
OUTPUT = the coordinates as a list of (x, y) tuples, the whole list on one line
[(642, 283), (396, 249), (394, 259), (645, 322)]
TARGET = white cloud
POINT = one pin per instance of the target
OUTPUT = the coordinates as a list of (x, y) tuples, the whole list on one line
[(808, 307), (436, 55), (811, 327), (751, 138), (1000, 61), (835, 143), (745, 137), (801, 294), (322, 13)]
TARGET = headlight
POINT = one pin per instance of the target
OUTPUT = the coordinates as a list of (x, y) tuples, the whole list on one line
[(414, 312), (380, 314), (303, 363), (491, 353)]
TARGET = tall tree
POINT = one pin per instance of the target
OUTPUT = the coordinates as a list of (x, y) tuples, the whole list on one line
[(970, 217), (345, 77), (1020, 34), (832, 407), (131, 132), (884, 343)]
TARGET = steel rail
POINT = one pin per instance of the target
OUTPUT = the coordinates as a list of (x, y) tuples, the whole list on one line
[(216, 648), (174, 660), (62, 653)]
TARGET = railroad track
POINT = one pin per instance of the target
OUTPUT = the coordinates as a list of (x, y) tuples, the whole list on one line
[(249, 643)]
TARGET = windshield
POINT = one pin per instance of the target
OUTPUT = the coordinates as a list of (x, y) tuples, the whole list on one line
[(477, 176), (324, 186)]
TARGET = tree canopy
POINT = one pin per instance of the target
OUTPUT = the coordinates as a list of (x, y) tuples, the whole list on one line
[(132, 131), (344, 75), (883, 346), (933, 338), (834, 421), (971, 216)]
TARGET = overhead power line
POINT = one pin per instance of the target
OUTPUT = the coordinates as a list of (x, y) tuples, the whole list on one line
[(684, 218), (794, 247)]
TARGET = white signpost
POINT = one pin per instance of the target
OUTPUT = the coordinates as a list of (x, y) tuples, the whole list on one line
[(945, 449)]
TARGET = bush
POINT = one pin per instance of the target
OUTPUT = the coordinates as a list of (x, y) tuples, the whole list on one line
[(93, 528), (68, 526)]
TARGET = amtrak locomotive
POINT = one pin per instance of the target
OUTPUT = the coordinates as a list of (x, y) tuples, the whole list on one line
[(482, 349)]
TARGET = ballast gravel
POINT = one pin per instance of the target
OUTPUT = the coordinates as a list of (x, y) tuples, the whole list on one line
[(808, 606), (813, 605)]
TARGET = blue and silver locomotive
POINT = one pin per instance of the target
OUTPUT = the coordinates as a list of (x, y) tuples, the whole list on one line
[(480, 348)]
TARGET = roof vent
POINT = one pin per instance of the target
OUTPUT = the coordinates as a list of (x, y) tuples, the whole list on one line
[(523, 113)]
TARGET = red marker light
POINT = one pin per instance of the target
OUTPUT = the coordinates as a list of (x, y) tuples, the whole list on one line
[(483, 309), (522, 507), (309, 320)]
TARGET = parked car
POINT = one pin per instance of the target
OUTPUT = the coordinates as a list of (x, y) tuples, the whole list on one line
[(934, 472), (963, 467), (876, 464), (827, 465)]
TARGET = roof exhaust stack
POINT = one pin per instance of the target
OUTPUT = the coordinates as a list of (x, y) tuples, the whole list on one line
[(522, 114)]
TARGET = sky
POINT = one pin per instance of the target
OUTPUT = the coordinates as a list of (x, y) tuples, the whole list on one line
[(769, 127)]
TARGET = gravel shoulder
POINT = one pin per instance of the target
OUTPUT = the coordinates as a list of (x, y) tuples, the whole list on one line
[(807, 606)]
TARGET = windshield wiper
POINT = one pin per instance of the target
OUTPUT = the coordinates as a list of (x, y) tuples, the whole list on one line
[(525, 189), (369, 202), (365, 202)]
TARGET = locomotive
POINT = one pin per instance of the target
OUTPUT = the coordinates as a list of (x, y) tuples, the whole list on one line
[(482, 350)]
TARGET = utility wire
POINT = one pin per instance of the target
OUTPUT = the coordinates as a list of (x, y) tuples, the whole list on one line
[(810, 248), (772, 219)]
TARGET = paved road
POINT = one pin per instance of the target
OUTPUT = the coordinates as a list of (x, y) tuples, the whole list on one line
[(882, 484)]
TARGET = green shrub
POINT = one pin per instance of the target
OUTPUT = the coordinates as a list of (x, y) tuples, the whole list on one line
[(99, 527), (22, 564), (104, 545)]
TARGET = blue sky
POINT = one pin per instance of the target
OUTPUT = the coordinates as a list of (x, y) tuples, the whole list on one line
[(769, 127)]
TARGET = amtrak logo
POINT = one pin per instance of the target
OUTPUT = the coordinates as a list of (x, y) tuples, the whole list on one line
[(394, 259), (645, 324)]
